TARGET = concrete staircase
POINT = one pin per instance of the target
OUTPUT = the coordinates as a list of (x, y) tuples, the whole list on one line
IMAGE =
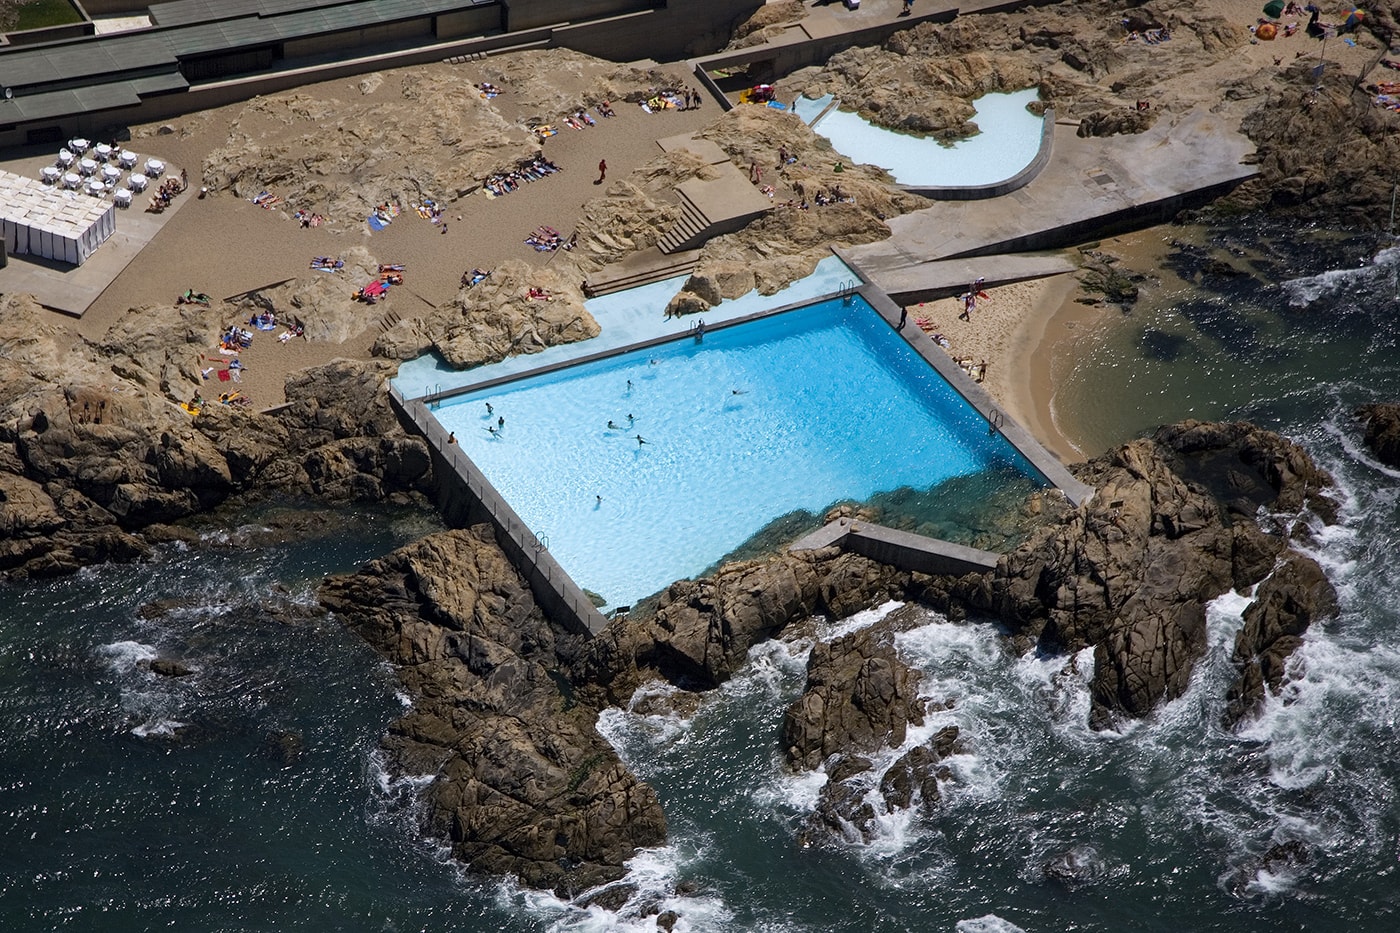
[(643, 268), (690, 231)]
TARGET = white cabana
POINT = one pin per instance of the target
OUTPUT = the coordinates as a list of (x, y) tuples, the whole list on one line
[(52, 224)]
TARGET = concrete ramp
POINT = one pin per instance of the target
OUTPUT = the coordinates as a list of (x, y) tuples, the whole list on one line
[(926, 281), (901, 549)]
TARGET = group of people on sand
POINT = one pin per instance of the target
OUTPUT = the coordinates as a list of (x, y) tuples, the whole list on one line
[(547, 240), (528, 170), (474, 277)]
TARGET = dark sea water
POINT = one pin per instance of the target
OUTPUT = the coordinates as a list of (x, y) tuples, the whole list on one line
[(112, 823)]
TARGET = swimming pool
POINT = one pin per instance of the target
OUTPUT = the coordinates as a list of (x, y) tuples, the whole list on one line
[(650, 466), (1008, 141)]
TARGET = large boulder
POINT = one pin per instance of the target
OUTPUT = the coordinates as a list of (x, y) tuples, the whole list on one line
[(522, 783)]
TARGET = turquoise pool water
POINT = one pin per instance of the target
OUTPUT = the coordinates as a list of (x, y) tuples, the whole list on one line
[(1009, 140), (794, 411), (625, 317)]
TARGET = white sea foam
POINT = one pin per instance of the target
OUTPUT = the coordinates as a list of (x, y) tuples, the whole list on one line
[(650, 882), (1376, 275), (160, 728), (125, 655), (830, 631), (991, 923)]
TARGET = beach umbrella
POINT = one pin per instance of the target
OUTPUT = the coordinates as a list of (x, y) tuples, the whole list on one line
[(1266, 32), (1274, 9), (1354, 17)]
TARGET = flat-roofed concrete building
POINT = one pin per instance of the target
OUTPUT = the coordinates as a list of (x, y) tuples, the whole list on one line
[(205, 53), (39, 220)]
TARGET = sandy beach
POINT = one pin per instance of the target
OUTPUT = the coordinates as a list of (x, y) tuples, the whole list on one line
[(224, 245)]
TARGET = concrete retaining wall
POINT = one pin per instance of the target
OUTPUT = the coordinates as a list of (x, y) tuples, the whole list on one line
[(899, 548), (465, 497)]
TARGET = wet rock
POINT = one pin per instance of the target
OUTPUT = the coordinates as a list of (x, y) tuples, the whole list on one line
[(284, 746), (1382, 431), (523, 783), (1287, 603), (859, 697), (169, 667), (612, 898), (1076, 867), (667, 920), (1130, 571)]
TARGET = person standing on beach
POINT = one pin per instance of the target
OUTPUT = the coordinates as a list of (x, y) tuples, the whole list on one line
[(602, 171), (908, 8), (903, 317)]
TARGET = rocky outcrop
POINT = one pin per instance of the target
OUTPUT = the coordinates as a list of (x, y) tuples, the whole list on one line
[(697, 633), (1170, 528), (1114, 122), (1285, 605), (88, 465), (1382, 431), (496, 318), (859, 698), (522, 783)]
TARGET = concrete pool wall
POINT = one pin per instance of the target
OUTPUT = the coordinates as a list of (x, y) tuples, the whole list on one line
[(465, 496)]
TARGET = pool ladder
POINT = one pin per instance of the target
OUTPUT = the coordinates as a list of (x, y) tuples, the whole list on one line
[(995, 421), (848, 290), (432, 394), (539, 542)]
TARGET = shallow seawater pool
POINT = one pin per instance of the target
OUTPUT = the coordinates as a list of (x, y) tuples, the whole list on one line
[(1008, 141), (648, 467)]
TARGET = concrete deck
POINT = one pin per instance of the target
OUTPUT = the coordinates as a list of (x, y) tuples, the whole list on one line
[(704, 148), (1090, 186), (727, 199), (71, 289)]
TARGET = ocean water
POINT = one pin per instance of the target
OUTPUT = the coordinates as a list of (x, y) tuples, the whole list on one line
[(112, 825), (797, 411)]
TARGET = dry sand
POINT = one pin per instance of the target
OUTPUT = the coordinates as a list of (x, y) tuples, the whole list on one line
[(224, 245)]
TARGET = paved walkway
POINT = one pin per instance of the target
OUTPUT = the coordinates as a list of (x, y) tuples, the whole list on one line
[(1090, 184)]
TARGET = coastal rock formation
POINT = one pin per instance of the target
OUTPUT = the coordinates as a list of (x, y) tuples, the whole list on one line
[(86, 466), (1285, 605), (1382, 431), (323, 304), (1170, 528), (523, 784), (496, 318), (859, 698), (697, 633)]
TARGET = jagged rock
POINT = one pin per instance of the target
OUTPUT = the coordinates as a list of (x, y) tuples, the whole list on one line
[(859, 697), (523, 784), (1114, 122), (686, 302), (496, 318), (1076, 867), (169, 667), (1285, 606), (1382, 431), (1130, 571), (914, 777)]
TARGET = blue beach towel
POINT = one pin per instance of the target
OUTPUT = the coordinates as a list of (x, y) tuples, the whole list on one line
[(375, 222)]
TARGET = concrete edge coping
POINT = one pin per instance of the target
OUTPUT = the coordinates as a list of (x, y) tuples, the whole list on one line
[(434, 398), (997, 189), (535, 562), (1045, 463), (845, 531)]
